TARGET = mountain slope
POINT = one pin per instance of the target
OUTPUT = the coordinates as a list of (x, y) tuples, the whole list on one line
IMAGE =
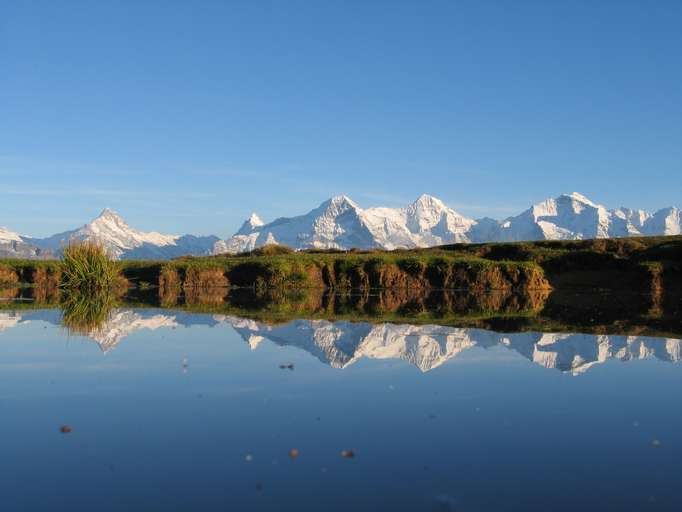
[(125, 242), (575, 217), (341, 224), (13, 245)]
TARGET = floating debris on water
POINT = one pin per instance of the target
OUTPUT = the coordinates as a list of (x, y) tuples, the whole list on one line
[(287, 366), (293, 453), (65, 429), (347, 454)]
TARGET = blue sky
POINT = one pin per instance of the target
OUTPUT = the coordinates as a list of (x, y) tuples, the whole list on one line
[(186, 116)]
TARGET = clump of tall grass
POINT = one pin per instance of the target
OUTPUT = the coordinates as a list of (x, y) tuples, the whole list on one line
[(85, 313), (86, 267)]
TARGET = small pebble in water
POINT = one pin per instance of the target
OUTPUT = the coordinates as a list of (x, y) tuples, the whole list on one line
[(347, 454), (65, 429), (293, 453)]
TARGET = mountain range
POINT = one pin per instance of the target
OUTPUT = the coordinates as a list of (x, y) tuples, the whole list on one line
[(340, 223), (341, 344), (113, 232)]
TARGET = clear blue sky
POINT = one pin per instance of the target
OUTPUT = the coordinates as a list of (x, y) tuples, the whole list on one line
[(186, 116)]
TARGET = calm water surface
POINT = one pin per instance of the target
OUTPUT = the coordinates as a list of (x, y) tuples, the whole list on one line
[(172, 411)]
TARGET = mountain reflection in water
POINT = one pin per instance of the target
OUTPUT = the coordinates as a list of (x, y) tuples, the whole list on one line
[(447, 401), (339, 344)]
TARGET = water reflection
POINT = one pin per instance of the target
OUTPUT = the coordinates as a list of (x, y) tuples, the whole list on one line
[(342, 343), (441, 399)]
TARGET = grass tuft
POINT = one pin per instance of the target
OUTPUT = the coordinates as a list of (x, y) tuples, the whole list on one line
[(86, 267)]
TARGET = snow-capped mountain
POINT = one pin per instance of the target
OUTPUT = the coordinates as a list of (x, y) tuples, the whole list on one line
[(125, 242), (340, 223), (7, 236), (575, 217), (13, 245)]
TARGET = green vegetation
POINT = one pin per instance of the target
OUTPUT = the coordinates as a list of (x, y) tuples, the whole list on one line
[(87, 268), (644, 264), (505, 311), (84, 313)]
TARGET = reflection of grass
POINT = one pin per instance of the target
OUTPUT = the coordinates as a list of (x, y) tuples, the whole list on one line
[(86, 267), (85, 314)]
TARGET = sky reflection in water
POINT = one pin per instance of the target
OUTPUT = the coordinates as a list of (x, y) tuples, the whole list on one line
[(172, 411)]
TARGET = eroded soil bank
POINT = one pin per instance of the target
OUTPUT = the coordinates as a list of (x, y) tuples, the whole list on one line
[(651, 265)]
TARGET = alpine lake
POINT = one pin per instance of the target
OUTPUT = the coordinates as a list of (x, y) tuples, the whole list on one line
[(233, 400)]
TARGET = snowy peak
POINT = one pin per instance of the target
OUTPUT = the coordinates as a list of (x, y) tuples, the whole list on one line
[(250, 224), (339, 223), (577, 197), (667, 221), (121, 240), (7, 236), (426, 212), (108, 213), (338, 205), (110, 221), (255, 221), (110, 229), (426, 201), (429, 214)]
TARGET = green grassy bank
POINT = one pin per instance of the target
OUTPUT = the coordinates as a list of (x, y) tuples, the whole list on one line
[(646, 264)]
